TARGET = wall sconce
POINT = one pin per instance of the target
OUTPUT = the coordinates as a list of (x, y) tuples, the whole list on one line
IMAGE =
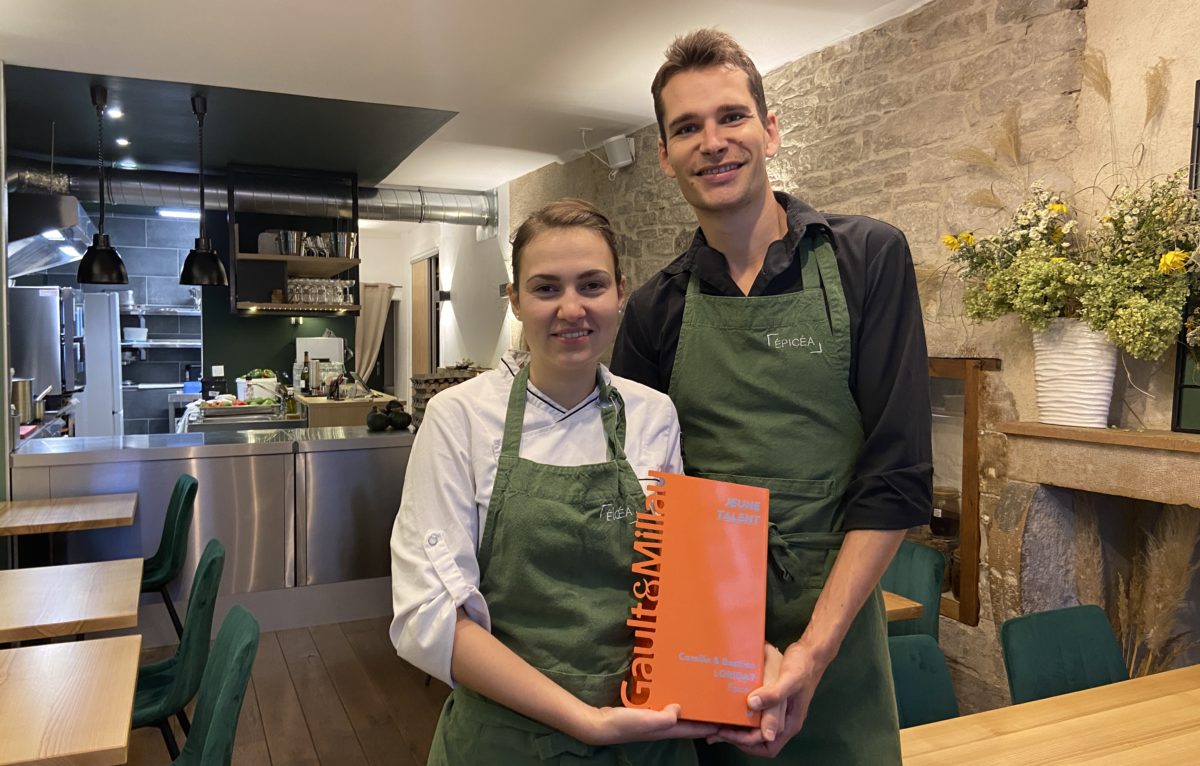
[(443, 296)]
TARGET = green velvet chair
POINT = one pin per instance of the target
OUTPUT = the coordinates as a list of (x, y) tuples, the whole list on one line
[(1060, 651), (219, 702), (161, 569), (165, 688), (924, 693), (916, 572)]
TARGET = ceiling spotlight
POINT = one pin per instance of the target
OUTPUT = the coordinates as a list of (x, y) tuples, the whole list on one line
[(114, 112), (122, 142)]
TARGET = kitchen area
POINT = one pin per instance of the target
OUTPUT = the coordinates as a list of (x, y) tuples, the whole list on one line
[(256, 376)]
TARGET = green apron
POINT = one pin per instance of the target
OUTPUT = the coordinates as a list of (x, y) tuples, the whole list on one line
[(555, 571), (761, 385)]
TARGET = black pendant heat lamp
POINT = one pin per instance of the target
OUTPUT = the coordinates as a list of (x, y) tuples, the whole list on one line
[(101, 264), (202, 266)]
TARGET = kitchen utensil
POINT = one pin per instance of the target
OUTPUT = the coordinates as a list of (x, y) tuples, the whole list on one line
[(135, 334), (343, 244), (268, 244), (316, 246), (22, 398), (39, 405), (314, 376), (290, 241)]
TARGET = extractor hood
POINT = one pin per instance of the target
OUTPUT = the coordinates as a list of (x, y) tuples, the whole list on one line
[(44, 231)]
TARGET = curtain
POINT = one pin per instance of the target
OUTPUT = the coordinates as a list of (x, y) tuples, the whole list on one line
[(375, 298)]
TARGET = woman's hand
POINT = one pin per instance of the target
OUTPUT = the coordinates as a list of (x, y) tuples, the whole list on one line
[(614, 725)]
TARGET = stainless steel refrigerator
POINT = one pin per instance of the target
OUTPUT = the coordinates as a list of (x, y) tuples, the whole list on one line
[(46, 338), (101, 411)]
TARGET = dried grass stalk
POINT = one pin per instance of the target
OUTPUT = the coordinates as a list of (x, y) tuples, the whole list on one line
[(1157, 79), (1120, 616), (1170, 564), (1095, 73), (1007, 140), (977, 157), (1089, 556), (985, 198), (1137, 619)]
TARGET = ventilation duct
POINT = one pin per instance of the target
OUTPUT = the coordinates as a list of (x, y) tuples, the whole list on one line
[(153, 189)]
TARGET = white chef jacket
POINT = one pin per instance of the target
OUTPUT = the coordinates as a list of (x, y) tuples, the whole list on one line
[(449, 481)]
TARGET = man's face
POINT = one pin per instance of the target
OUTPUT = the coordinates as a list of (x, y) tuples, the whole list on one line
[(717, 146)]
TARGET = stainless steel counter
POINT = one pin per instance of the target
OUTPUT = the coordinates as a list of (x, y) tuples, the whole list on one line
[(292, 506)]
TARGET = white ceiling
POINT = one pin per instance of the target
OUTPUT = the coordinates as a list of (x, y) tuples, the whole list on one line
[(524, 75)]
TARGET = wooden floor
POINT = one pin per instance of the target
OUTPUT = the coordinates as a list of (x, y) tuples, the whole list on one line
[(333, 694)]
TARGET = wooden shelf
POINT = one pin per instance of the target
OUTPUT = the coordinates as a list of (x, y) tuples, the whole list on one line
[(285, 308), (1159, 466), (1121, 437), (305, 266)]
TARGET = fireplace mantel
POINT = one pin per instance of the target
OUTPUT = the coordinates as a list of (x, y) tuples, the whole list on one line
[(1160, 466)]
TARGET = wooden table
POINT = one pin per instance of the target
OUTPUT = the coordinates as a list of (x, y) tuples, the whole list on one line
[(63, 514), (43, 602), (68, 703), (1151, 720), (900, 608)]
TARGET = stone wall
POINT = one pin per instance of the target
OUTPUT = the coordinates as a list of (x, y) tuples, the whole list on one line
[(870, 125)]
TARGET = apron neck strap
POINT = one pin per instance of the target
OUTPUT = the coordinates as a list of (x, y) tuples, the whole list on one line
[(612, 415), (810, 266)]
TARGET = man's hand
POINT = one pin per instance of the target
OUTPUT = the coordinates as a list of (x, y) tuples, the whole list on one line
[(784, 702), (614, 725)]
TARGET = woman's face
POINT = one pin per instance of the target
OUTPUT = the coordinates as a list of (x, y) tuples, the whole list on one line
[(568, 299)]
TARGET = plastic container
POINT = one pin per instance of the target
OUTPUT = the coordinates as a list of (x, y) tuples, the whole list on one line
[(257, 388), (135, 334)]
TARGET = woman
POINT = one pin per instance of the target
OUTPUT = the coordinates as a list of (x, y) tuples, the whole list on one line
[(512, 549)]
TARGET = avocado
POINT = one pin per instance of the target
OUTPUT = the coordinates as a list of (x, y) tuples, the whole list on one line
[(399, 419), (394, 405), (376, 421)]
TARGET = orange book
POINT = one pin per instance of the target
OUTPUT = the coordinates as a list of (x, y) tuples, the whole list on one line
[(700, 569)]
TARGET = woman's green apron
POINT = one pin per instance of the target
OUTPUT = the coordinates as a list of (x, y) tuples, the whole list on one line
[(762, 389), (555, 571)]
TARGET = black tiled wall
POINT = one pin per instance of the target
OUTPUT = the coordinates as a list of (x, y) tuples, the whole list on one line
[(153, 250)]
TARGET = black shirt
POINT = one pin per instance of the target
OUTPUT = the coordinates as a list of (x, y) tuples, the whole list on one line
[(889, 373)]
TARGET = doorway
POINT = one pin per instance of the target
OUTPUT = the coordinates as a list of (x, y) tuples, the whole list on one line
[(426, 314)]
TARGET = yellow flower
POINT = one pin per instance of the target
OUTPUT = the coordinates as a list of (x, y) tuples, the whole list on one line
[(1057, 235), (966, 238), (951, 242), (1058, 208), (1058, 259), (1172, 262)]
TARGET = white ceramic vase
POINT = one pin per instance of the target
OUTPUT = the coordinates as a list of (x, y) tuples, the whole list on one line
[(1074, 368)]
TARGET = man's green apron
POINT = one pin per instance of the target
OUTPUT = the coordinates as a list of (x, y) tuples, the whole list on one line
[(555, 571), (762, 388)]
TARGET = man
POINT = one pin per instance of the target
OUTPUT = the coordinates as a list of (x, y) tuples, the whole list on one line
[(792, 345)]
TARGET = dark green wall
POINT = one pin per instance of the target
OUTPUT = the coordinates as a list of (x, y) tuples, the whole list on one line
[(242, 342)]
